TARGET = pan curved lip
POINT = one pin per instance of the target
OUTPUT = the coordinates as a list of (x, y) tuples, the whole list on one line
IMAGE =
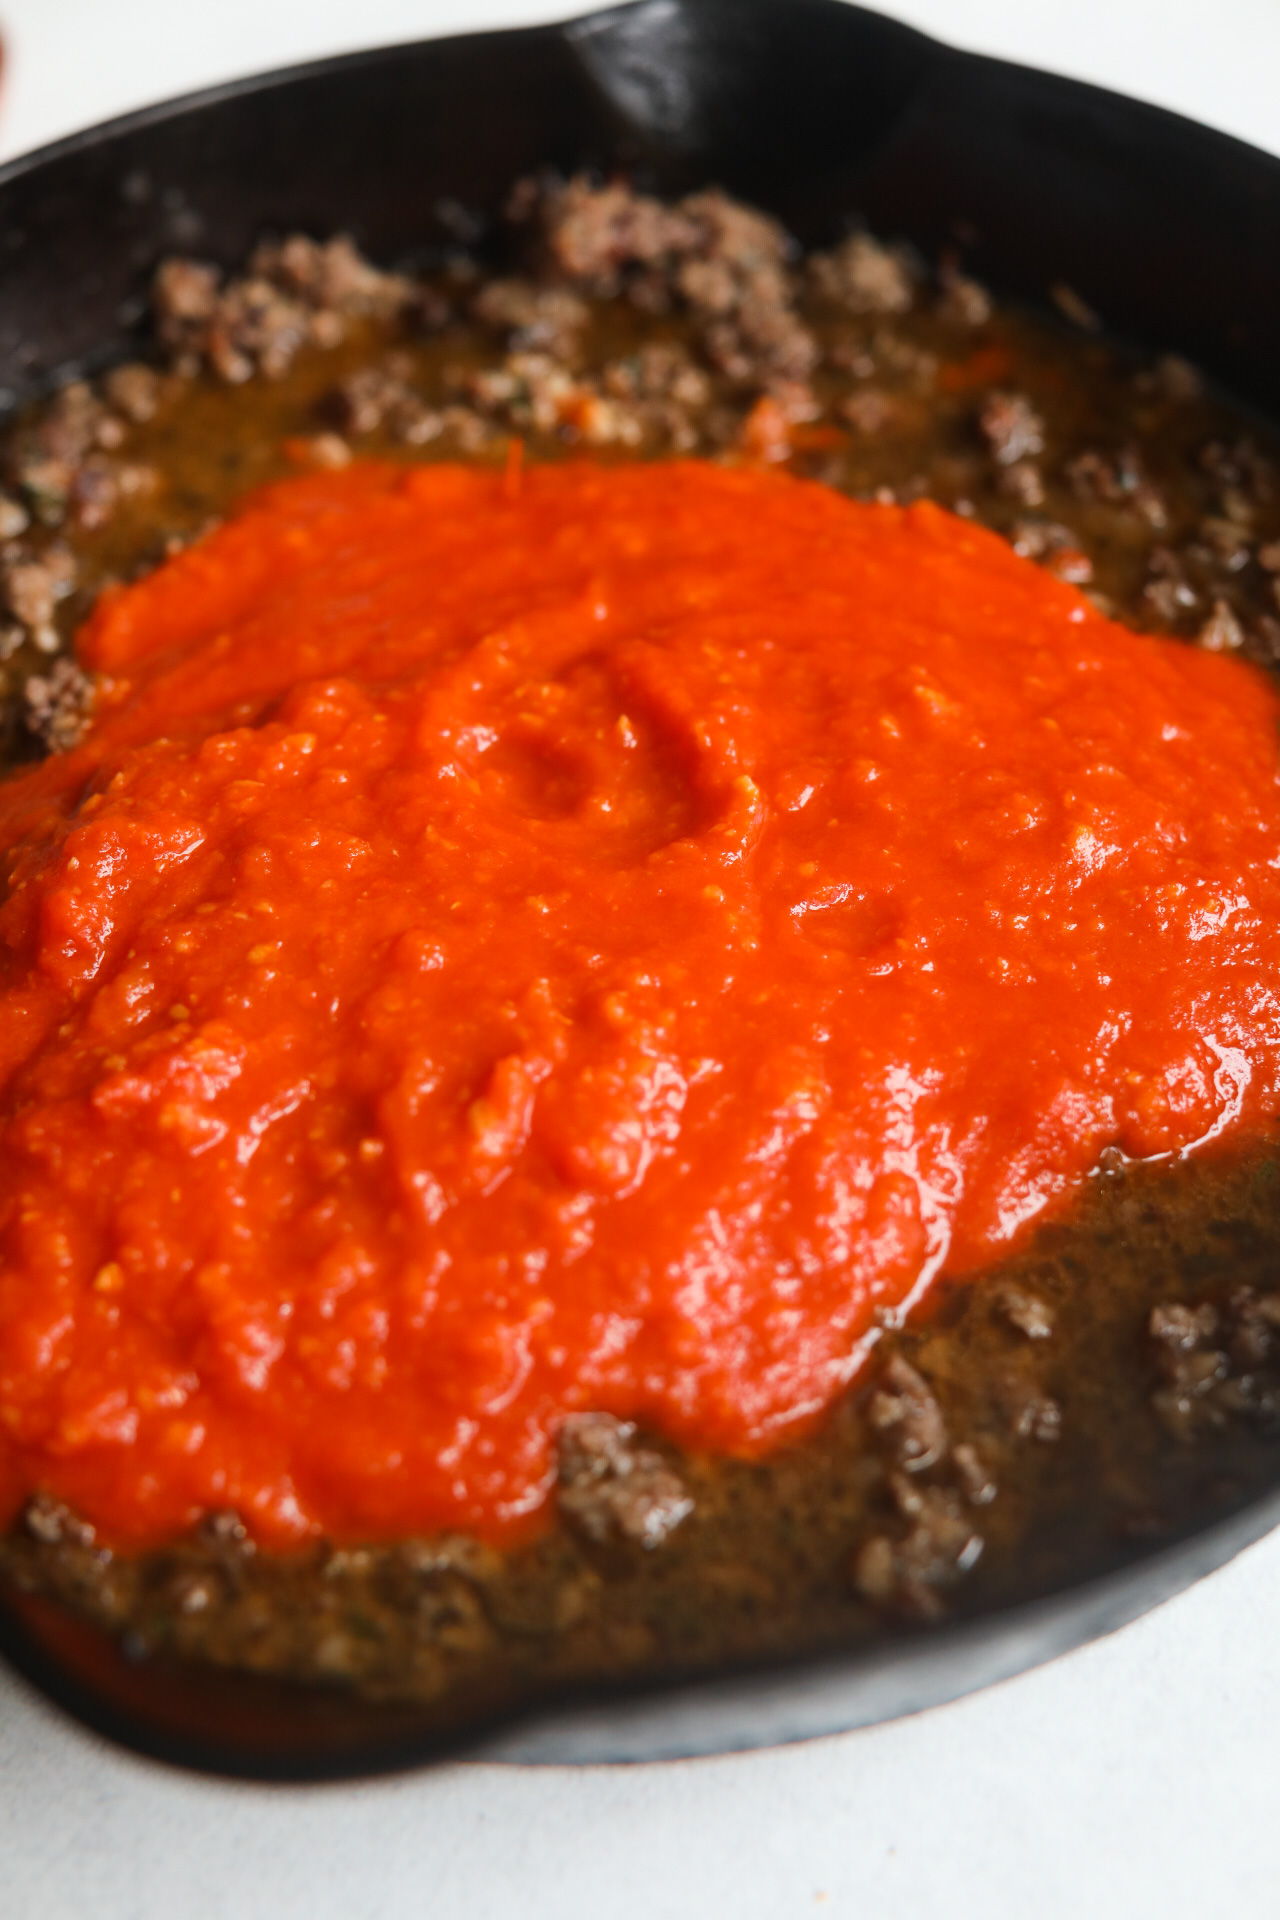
[(892, 1680), (574, 28), (665, 1719), (157, 113), (769, 1705)]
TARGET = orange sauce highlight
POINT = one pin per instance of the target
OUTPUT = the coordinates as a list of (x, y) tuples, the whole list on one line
[(581, 938)]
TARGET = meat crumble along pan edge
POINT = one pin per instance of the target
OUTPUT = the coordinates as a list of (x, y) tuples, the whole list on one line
[(1115, 1382)]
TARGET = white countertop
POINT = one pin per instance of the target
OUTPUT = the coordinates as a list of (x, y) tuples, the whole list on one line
[(1138, 1777)]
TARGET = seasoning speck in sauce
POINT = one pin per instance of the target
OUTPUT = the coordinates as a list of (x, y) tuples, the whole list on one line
[(581, 939)]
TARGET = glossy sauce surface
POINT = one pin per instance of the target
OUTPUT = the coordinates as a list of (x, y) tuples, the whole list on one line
[(581, 939)]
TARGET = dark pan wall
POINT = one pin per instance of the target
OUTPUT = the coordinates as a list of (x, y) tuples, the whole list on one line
[(816, 109)]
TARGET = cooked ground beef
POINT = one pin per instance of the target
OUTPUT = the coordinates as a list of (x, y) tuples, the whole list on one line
[(1119, 1378), (611, 1487)]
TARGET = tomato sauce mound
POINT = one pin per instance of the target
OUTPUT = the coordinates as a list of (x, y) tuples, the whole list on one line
[(587, 939)]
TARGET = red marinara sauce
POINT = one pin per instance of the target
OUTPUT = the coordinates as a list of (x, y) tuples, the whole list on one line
[(581, 940)]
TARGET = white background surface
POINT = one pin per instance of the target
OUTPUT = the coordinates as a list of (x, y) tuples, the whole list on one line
[(1138, 1777)]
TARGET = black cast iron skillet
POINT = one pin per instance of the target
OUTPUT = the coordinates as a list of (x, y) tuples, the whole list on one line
[(819, 112)]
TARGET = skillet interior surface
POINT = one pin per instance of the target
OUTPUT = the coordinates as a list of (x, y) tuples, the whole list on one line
[(815, 111)]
